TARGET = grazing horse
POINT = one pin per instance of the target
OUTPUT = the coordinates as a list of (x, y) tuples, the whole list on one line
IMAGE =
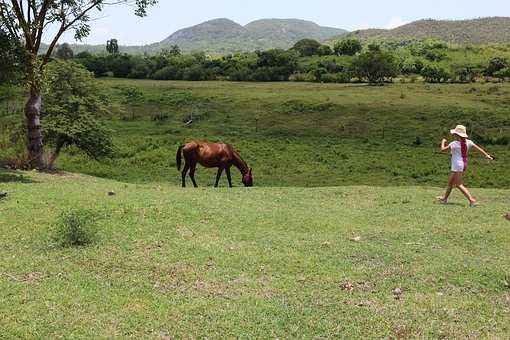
[(212, 155)]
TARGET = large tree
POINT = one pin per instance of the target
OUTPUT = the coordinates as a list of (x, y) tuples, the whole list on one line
[(28, 21)]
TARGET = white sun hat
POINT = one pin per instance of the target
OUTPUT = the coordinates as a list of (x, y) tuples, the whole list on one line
[(460, 130)]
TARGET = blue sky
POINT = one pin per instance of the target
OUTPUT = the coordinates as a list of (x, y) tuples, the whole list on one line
[(169, 15)]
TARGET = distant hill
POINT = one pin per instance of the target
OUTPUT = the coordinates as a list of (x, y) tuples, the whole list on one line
[(224, 35), (284, 33), (215, 35), (475, 31), (220, 36)]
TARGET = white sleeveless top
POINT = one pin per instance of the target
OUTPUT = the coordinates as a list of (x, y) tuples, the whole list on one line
[(460, 156)]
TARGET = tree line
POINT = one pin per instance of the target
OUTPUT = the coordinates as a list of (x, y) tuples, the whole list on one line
[(308, 60)]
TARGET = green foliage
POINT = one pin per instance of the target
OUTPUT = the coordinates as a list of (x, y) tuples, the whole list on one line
[(411, 65), (303, 77), (224, 36), (503, 73), (324, 50), (465, 73), (491, 30), (275, 65), (74, 228), (112, 46), (375, 65), (435, 73), (335, 78), (74, 109), (347, 47), (13, 59), (495, 65), (374, 126), (64, 51), (307, 47), (430, 49)]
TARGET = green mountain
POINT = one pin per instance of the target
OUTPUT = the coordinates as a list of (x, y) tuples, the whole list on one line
[(224, 35), (221, 36), (217, 35), (284, 33), (475, 31)]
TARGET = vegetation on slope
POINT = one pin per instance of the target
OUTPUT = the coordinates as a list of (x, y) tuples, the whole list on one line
[(224, 36), (476, 31), (299, 134)]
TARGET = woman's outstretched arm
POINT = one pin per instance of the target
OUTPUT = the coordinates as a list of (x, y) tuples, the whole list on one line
[(483, 152)]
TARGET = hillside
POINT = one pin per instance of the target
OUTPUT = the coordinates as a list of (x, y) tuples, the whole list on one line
[(220, 36), (224, 35), (299, 134), (217, 35), (475, 31), (284, 33)]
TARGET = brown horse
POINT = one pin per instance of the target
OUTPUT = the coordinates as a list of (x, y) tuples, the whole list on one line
[(211, 155)]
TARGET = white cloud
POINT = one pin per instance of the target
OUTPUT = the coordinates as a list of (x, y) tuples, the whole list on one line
[(396, 22)]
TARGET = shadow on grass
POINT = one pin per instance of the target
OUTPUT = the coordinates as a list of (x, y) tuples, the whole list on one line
[(8, 176), (454, 204)]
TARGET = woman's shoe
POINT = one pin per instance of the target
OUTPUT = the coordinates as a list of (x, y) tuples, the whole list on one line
[(442, 200)]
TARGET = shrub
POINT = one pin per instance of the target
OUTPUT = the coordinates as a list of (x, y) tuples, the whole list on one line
[(239, 74), (324, 50), (434, 73), (503, 73), (495, 65), (139, 71), (336, 78), (465, 73), (375, 65), (75, 228), (348, 47), (303, 77), (307, 47), (170, 72), (197, 73)]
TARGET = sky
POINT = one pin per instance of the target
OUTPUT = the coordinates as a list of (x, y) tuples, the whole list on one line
[(168, 16)]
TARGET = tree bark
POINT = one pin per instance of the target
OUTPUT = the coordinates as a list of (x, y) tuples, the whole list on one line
[(34, 133)]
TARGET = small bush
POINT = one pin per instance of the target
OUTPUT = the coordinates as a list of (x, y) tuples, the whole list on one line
[(336, 78), (75, 228), (303, 77)]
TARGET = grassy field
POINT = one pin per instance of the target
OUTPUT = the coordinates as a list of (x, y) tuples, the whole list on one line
[(257, 263), (299, 134)]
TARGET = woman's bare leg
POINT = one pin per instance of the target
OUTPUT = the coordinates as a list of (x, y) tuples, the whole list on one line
[(451, 184), (463, 189)]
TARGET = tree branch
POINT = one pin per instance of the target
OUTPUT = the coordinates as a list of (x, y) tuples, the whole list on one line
[(21, 19), (7, 20), (40, 23)]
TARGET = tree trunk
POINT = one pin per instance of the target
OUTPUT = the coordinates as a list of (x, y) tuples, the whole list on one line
[(34, 132)]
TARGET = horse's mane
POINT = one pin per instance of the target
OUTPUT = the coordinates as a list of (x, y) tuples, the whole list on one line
[(240, 158)]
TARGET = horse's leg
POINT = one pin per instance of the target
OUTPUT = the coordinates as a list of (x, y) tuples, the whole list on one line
[(184, 173), (229, 177), (193, 167), (218, 176)]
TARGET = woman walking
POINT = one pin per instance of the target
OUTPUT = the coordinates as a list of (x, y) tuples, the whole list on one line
[(459, 149)]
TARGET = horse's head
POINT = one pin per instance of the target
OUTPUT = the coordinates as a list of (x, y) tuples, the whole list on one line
[(248, 179)]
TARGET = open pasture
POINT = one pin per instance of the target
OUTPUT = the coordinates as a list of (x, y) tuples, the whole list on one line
[(306, 135), (344, 262)]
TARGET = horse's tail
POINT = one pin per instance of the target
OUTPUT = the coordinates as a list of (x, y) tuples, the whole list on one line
[(178, 157)]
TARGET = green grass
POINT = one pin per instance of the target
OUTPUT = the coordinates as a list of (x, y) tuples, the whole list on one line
[(252, 263), (298, 134)]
